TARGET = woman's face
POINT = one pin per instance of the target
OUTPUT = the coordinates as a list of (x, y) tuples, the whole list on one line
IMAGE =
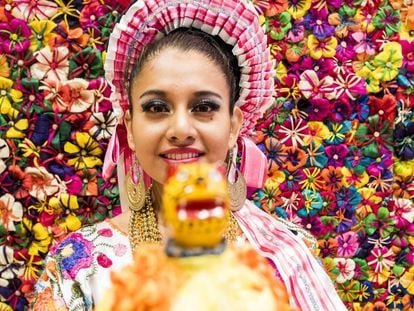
[(180, 112)]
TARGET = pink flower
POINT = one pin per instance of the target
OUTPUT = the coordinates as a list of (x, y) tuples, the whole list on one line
[(347, 244), (14, 36), (312, 87), (364, 44), (102, 92), (336, 154), (51, 64), (105, 232), (350, 85), (294, 132), (120, 250), (403, 212), (346, 269), (104, 261), (381, 258)]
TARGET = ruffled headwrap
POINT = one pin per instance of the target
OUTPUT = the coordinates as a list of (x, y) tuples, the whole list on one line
[(236, 23)]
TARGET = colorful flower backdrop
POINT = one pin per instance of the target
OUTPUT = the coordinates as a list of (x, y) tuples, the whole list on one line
[(339, 138)]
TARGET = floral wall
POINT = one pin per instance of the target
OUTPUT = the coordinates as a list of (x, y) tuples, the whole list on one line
[(339, 138)]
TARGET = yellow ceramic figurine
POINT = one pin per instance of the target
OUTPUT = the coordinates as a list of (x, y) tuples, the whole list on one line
[(196, 205), (196, 271)]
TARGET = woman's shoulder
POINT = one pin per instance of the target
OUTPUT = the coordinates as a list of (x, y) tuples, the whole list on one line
[(298, 231)]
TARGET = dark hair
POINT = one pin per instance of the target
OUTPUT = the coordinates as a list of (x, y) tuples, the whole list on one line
[(189, 39)]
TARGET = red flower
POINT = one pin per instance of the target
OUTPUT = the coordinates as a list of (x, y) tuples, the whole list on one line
[(104, 261), (385, 107), (105, 232)]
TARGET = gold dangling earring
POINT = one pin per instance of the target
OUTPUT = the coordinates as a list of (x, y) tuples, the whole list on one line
[(135, 191), (238, 189)]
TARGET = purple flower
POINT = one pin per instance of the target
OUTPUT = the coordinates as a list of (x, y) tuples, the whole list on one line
[(341, 110), (408, 54), (347, 244), (360, 109), (336, 154), (345, 49), (75, 253), (364, 42), (297, 32), (14, 36), (317, 22), (324, 67), (318, 109)]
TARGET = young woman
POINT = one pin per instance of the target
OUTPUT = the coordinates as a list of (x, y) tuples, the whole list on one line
[(189, 80)]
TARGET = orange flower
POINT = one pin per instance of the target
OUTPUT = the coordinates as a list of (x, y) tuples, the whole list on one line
[(295, 159), (275, 7), (332, 176), (74, 39)]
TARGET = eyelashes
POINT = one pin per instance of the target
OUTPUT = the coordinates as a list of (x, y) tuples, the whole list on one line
[(155, 106), (203, 106)]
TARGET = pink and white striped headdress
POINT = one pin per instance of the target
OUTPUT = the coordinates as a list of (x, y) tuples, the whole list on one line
[(236, 23)]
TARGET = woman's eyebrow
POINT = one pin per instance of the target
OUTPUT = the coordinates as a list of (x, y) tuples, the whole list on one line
[(155, 92), (207, 93)]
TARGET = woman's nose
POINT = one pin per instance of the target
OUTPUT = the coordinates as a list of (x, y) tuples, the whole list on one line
[(181, 128)]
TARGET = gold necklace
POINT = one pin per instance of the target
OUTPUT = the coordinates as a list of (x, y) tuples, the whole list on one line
[(143, 225)]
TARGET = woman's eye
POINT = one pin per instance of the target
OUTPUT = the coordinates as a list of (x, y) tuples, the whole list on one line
[(155, 107), (205, 107)]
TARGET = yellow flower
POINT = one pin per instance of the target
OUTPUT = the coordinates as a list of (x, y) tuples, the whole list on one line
[(42, 237), (4, 307), (8, 95), (314, 180), (404, 168), (323, 48), (86, 153), (42, 33), (368, 198), (407, 280), (317, 132), (349, 178), (371, 81), (71, 223), (379, 277), (17, 125), (298, 8), (65, 201), (281, 71), (273, 181), (363, 22), (388, 62), (30, 149)]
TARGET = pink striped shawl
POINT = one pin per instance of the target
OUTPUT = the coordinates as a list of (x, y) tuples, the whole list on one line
[(306, 281)]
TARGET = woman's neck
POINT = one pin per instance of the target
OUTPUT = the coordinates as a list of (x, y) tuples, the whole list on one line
[(156, 195)]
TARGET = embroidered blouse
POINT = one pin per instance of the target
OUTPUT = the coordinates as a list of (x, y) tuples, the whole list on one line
[(77, 270)]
